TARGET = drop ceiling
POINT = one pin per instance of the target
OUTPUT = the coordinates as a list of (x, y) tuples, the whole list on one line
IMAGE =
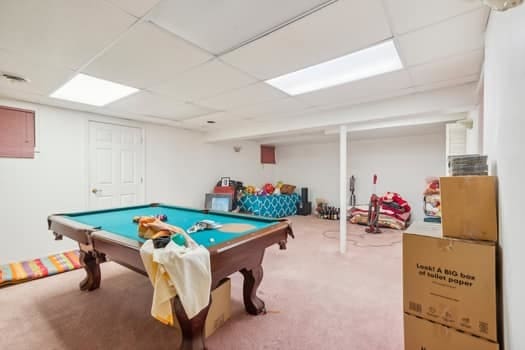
[(201, 60)]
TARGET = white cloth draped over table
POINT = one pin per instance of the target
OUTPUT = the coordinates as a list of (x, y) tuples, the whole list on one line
[(176, 270)]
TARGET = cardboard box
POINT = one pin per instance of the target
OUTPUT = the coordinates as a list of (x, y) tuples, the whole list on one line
[(422, 334), (220, 308), (451, 281), (469, 207)]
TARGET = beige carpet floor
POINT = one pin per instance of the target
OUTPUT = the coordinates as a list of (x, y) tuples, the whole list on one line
[(317, 299)]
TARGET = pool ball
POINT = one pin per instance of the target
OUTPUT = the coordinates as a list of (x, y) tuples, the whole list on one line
[(162, 217), (179, 239)]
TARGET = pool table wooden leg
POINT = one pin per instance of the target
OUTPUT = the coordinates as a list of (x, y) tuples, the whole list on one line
[(192, 330), (252, 280), (90, 263)]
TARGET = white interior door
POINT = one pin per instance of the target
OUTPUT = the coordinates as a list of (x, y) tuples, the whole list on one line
[(116, 165)]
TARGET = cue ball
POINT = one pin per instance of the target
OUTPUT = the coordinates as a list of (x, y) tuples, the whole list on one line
[(212, 240)]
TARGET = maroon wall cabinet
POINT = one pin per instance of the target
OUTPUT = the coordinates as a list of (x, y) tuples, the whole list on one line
[(267, 154), (17, 133)]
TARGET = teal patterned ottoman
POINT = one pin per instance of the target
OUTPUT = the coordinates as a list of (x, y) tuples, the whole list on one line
[(270, 206)]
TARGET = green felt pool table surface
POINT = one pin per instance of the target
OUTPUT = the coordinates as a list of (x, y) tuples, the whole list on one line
[(120, 222)]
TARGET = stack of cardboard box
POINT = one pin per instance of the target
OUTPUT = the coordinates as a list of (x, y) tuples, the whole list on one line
[(449, 271)]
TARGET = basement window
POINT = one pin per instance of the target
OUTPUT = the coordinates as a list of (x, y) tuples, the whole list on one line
[(17, 133)]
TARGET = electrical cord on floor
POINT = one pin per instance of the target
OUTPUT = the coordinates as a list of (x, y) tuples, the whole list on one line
[(359, 244)]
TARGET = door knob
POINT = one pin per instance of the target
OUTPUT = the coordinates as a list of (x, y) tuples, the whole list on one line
[(95, 191)]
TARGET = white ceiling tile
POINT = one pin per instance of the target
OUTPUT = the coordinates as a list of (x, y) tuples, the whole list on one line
[(20, 95), (271, 109), (458, 35), (387, 94), (219, 118), (448, 68), (218, 26), (356, 91), (240, 124), (136, 117), (148, 104), (146, 56), (137, 8), (408, 15), (206, 80), (338, 29), (65, 33), (251, 94), (43, 79), (446, 83)]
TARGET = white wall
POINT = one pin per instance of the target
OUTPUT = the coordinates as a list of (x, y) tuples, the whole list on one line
[(180, 168), (31, 189), (315, 166), (474, 135), (504, 142), (401, 163)]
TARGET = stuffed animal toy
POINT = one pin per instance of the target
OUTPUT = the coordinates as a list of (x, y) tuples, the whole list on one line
[(250, 190), (268, 188), (432, 186), (433, 205), (287, 189)]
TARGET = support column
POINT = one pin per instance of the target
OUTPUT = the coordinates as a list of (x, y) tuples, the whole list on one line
[(343, 134)]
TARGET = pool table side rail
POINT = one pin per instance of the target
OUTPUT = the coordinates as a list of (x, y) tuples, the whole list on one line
[(108, 210), (225, 259), (115, 249), (101, 235), (63, 226), (60, 224), (205, 211)]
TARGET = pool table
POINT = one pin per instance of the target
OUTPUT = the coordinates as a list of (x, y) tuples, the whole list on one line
[(111, 234)]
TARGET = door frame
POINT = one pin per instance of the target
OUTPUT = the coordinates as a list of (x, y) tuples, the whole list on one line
[(116, 122)]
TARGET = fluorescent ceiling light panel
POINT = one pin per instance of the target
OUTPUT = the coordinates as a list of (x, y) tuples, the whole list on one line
[(369, 62), (92, 91)]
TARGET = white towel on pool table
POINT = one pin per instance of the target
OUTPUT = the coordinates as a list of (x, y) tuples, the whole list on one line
[(175, 270)]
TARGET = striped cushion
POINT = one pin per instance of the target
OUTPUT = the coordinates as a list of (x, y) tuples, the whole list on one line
[(37, 268)]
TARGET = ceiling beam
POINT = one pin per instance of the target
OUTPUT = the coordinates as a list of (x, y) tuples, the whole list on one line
[(401, 122), (442, 101)]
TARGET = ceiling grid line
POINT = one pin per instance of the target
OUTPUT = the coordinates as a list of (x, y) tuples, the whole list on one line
[(279, 27), (431, 24), (182, 79), (394, 37)]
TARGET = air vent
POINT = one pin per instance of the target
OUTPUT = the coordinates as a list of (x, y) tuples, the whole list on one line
[(13, 78)]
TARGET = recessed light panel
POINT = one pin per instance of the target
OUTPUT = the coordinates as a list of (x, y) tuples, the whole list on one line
[(366, 63), (92, 91)]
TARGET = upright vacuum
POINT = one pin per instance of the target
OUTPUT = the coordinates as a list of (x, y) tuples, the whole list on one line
[(374, 208)]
